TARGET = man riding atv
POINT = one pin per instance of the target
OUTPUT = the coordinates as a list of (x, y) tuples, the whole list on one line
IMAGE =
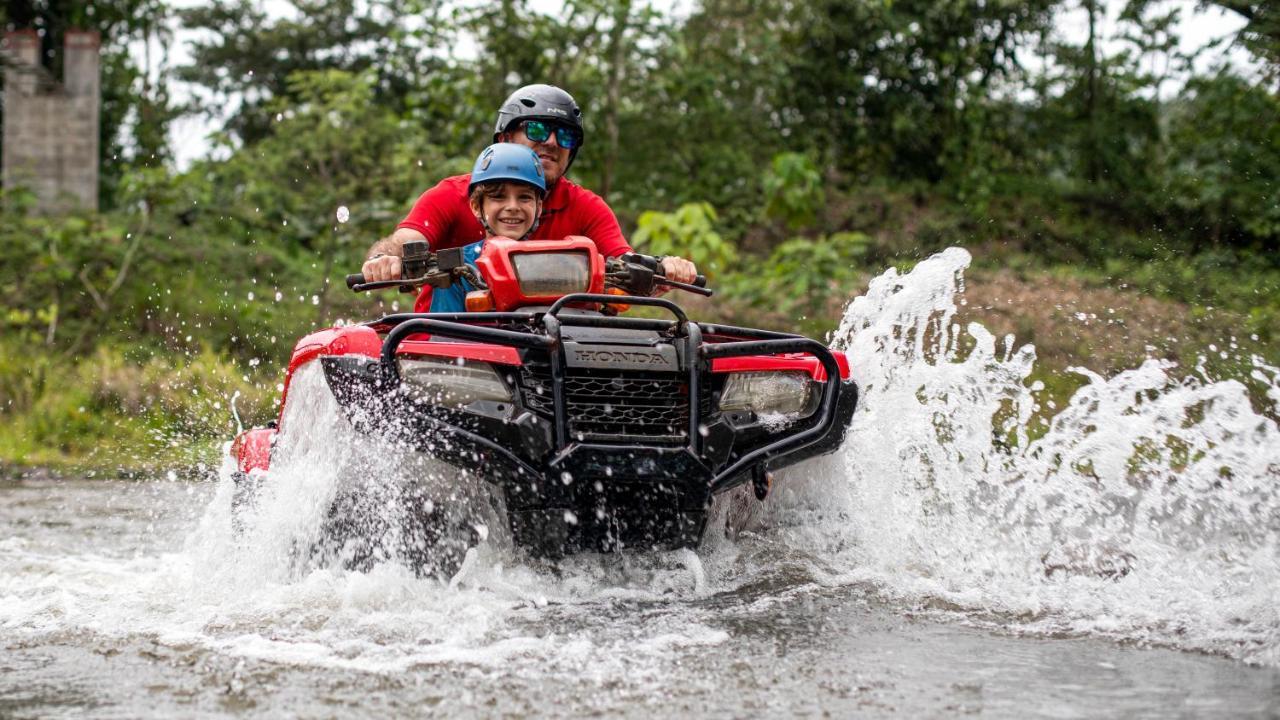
[(547, 120), (506, 193)]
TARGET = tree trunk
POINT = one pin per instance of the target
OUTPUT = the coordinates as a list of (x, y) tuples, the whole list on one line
[(613, 93), (1091, 94)]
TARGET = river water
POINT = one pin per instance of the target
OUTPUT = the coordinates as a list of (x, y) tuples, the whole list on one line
[(953, 558)]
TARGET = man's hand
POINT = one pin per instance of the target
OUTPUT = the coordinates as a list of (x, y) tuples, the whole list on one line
[(384, 256), (381, 267), (677, 269)]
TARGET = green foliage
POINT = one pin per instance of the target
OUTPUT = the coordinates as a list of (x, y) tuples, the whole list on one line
[(245, 57), (1261, 33), (328, 145), (155, 411), (688, 232), (1225, 162), (793, 190), (804, 270)]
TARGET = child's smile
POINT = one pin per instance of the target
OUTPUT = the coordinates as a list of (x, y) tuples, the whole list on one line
[(510, 209)]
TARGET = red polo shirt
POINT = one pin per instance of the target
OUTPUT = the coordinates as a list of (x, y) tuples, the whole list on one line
[(444, 216)]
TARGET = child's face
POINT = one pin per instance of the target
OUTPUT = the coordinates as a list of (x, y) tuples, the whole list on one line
[(511, 210)]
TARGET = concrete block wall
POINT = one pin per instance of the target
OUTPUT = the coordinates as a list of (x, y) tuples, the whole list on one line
[(51, 130)]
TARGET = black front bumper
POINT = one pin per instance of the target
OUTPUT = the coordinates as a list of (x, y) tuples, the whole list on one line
[(573, 486)]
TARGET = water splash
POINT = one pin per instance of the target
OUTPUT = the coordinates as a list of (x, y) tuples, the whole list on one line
[(1149, 509)]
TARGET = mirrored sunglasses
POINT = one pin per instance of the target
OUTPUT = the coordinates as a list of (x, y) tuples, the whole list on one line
[(538, 131)]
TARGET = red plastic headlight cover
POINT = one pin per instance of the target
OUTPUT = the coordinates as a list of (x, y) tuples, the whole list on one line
[(499, 263)]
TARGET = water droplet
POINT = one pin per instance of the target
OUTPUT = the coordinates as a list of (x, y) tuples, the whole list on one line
[(343, 214), (570, 517)]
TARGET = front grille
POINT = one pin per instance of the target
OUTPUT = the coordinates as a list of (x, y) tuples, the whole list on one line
[(604, 405)]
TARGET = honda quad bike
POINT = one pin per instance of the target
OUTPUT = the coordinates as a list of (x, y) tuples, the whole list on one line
[(592, 431)]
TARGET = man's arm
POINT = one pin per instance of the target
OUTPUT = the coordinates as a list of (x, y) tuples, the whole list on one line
[(433, 212), (603, 228), (383, 261)]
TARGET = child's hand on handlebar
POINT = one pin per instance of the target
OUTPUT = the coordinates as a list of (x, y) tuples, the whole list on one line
[(679, 269), (381, 267)]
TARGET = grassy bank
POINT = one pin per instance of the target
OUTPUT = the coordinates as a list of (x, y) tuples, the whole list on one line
[(116, 410)]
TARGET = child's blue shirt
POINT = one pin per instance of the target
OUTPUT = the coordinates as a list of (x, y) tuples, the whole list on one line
[(454, 298)]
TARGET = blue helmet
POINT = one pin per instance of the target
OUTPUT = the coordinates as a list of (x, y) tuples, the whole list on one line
[(508, 162)]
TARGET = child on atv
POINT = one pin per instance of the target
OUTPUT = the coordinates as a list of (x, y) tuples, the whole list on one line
[(506, 194)]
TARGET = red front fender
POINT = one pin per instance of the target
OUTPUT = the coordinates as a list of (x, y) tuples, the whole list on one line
[(252, 449)]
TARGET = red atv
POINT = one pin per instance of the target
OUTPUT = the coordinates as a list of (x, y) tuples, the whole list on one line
[(597, 432)]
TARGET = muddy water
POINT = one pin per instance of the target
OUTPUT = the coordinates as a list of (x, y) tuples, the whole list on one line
[(967, 551), (100, 617)]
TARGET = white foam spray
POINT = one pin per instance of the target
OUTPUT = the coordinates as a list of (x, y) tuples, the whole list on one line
[(1149, 510)]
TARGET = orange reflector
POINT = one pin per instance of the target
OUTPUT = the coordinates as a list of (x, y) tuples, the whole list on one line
[(479, 301), (620, 307)]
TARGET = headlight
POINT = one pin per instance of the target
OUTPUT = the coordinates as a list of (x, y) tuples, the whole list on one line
[(789, 393), (446, 382), (552, 273)]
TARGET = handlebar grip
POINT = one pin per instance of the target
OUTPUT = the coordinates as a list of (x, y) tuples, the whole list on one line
[(700, 280), (354, 280)]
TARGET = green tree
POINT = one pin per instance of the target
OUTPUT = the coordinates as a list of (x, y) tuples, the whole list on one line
[(688, 232), (244, 57), (329, 147), (883, 86), (1261, 33), (793, 190), (1224, 180)]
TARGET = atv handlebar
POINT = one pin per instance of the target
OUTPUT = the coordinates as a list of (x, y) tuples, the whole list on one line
[(634, 273)]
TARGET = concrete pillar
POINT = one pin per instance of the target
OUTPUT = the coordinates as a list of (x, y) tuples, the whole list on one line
[(78, 146), (51, 131), (23, 50), (80, 72)]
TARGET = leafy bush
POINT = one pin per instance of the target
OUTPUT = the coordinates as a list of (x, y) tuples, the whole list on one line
[(688, 232), (793, 190)]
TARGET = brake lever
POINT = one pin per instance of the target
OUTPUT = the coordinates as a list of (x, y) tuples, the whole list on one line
[(705, 292), (410, 284)]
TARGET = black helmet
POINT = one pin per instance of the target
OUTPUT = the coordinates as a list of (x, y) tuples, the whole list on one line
[(540, 102)]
